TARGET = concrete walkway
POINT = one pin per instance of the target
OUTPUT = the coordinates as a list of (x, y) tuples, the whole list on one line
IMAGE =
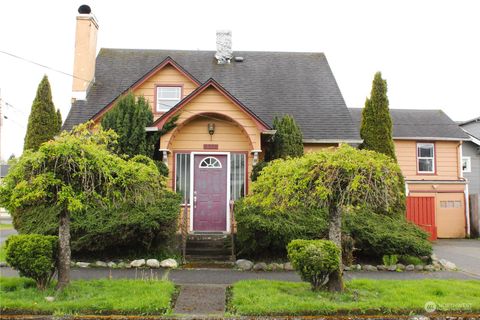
[(465, 253)]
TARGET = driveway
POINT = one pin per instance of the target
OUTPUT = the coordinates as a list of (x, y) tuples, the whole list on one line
[(4, 234), (465, 253)]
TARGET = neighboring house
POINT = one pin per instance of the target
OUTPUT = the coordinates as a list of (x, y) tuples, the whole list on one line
[(428, 146), (226, 101), (471, 168), (3, 172)]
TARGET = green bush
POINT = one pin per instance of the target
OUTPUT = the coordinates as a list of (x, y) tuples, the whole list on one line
[(116, 230), (34, 256), (315, 260), (390, 259), (263, 234), (406, 259), (377, 235), (257, 169)]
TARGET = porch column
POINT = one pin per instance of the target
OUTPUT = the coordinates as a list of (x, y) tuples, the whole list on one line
[(165, 153), (255, 156)]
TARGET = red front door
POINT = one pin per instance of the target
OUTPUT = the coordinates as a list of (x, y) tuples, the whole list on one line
[(210, 193)]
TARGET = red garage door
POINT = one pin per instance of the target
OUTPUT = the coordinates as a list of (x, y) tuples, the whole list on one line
[(421, 211)]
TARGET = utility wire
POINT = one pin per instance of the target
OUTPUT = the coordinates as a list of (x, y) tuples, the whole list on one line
[(42, 65)]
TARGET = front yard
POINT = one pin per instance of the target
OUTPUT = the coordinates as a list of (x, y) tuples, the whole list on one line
[(398, 297), (133, 297)]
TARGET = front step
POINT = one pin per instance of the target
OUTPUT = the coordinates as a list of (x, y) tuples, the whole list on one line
[(209, 247)]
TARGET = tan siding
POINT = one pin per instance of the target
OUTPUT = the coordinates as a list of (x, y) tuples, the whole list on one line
[(446, 159), (166, 76)]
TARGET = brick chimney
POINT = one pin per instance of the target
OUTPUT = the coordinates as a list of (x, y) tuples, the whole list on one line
[(85, 52)]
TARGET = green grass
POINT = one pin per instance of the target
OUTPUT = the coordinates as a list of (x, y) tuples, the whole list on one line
[(5, 226), (138, 297), (263, 297)]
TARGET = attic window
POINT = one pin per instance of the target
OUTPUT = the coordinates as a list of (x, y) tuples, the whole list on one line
[(168, 97)]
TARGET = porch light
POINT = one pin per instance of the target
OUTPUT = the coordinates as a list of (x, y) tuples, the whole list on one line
[(211, 128)]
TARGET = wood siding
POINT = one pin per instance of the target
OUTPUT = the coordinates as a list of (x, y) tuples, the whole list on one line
[(446, 160), (168, 75)]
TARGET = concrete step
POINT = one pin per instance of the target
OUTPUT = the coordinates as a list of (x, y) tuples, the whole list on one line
[(208, 237), (208, 258)]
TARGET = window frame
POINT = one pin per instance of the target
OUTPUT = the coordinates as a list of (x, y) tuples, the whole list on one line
[(434, 158), (468, 168), (157, 86), (188, 176)]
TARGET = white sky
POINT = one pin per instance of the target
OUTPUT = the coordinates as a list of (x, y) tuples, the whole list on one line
[(429, 51)]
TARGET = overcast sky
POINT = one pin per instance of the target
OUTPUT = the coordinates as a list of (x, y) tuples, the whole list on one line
[(429, 51)]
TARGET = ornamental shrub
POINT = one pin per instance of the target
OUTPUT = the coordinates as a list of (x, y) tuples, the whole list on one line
[(262, 234), (257, 169), (377, 235), (34, 256), (315, 260)]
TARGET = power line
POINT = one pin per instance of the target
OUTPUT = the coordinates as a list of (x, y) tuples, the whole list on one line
[(42, 65)]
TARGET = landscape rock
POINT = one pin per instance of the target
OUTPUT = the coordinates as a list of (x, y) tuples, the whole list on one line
[(153, 263), (429, 268), (288, 266), (356, 267), (381, 267), (169, 263), (137, 263), (449, 266), (434, 257), (261, 266), (49, 299), (111, 264), (410, 267), (369, 267), (345, 268), (419, 267), (392, 267), (275, 266), (400, 267), (72, 263), (244, 264), (3, 264), (122, 265), (99, 264), (82, 264)]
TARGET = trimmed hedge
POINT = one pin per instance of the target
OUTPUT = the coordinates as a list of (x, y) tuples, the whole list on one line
[(377, 235), (34, 256), (113, 230)]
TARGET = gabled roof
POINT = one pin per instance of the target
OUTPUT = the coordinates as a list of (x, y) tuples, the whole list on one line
[(266, 83), (419, 124), (209, 83), (461, 123)]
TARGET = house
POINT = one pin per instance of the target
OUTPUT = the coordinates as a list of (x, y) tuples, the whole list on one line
[(428, 147), (471, 169), (226, 102)]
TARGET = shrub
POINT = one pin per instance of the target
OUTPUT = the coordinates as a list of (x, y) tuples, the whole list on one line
[(406, 259), (257, 169), (126, 227), (315, 260), (34, 256), (377, 235), (262, 234), (390, 259)]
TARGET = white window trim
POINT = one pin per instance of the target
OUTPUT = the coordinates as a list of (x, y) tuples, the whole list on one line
[(469, 164), (432, 157), (210, 167), (192, 184), (161, 108), (175, 176)]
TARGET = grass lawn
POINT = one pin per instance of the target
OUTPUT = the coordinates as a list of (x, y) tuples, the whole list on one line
[(263, 297), (5, 226), (139, 297)]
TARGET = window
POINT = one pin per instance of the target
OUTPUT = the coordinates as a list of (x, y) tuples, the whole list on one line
[(182, 176), (237, 176), (450, 204), (466, 164), (426, 157), (210, 162), (167, 97)]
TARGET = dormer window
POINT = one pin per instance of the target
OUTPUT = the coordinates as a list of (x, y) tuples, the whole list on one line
[(167, 97)]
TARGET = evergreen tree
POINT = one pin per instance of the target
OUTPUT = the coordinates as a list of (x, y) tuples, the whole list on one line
[(376, 128), (59, 121), (288, 140), (42, 122), (129, 118)]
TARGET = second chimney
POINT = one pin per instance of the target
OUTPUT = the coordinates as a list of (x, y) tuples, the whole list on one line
[(85, 52), (224, 46)]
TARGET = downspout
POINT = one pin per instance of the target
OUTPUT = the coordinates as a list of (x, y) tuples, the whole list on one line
[(465, 190)]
